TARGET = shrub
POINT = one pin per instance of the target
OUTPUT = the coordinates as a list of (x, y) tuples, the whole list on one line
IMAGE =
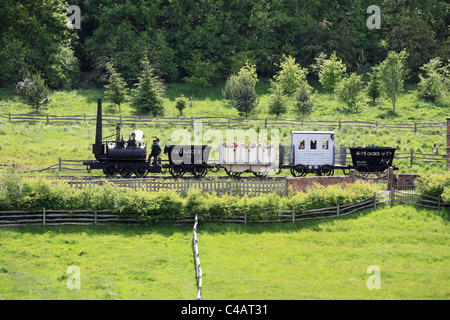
[(434, 185)]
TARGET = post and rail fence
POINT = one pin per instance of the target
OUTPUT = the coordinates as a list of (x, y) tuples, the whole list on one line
[(46, 217), (230, 122)]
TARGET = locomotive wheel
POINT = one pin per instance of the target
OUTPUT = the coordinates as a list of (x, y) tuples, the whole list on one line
[(199, 170), (141, 171), (110, 170), (125, 171), (214, 169), (176, 171)]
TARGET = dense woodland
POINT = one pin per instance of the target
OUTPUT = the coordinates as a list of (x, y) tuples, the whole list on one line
[(184, 39)]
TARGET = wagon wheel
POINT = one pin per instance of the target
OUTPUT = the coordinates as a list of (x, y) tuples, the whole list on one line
[(363, 170), (233, 174), (125, 171), (177, 170), (327, 170), (199, 170), (215, 168), (260, 174), (141, 171), (110, 170), (298, 171)]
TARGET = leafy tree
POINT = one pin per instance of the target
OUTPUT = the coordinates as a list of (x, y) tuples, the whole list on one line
[(35, 38), (116, 88), (181, 103), (147, 97), (240, 90), (277, 101), (374, 86), (349, 90), (303, 104), (200, 72), (432, 87), (331, 72), (291, 75), (392, 72), (33, 92)]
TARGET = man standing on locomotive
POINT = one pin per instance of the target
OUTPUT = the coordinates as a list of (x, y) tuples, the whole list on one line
[(156, 150)]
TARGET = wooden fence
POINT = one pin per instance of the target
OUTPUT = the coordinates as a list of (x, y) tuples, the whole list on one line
[(229, 122), (102, 217), (219, 186)]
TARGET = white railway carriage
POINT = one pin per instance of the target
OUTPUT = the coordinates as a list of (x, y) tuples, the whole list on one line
[(257, 159), (312, 151)]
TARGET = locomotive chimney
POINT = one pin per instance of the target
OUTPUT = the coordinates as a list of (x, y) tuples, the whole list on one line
[(98, 132), (98, 148)]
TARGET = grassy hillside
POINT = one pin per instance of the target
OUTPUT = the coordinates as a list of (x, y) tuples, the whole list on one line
[(34, 145), (325, 259)]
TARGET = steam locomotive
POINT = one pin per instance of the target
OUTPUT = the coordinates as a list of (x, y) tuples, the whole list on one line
[(309, 152)]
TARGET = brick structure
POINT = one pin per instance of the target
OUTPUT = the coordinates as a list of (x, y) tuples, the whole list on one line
[(448, 144), (302, 184)]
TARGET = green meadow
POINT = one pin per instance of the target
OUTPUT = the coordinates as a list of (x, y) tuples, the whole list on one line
[(322, 259)]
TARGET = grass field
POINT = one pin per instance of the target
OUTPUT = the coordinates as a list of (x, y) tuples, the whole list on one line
[(324, 259)]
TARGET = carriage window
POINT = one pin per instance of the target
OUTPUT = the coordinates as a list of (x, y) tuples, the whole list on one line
[(301, 144), (325, 144), (313, 144)]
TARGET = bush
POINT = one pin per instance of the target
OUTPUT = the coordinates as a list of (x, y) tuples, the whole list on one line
[(434, 185)]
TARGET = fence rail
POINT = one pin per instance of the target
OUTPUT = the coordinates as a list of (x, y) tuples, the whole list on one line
[(230, 122), (102, 217)]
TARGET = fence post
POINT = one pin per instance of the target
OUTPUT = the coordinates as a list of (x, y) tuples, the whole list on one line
[(392, 196), (337, 210), (415, 127), (9, 116), (48, 121), (43, 216), (374, 200), (229, 120), (95, 217), (411, 156), (339, 124), (265, 123), (439, 203), (293, 216), (245, 218), (59, 165)]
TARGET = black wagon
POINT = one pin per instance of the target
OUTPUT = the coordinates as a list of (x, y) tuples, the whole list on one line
[(372, 159), (187, 158)]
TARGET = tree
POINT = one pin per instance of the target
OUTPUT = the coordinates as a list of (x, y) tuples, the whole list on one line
[(277, 101), (432, 87), (303, 104), (33, 92), (349, 89), (374, 86), (291, 75), (201, 72), (392, 72), (181, 103), (331, 72), (147, 96), (116, 88), (240, 90)]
